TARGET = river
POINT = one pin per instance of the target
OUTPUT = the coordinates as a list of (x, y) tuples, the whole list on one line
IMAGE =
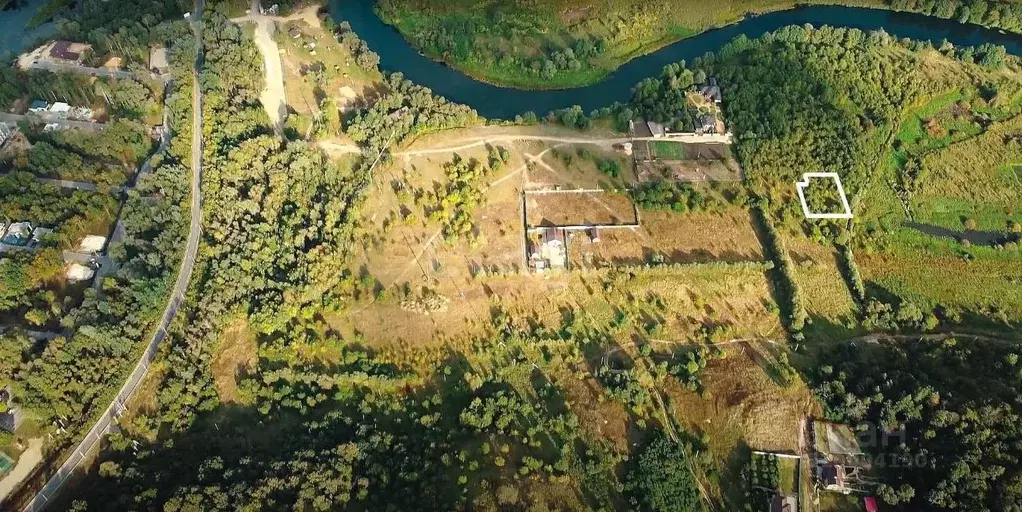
[(396, 54), (14, 37)]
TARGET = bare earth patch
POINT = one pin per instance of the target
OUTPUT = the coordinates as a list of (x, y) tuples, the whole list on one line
[(237, 353)]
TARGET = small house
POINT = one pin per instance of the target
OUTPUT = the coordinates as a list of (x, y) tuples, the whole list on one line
[(38, 234), (554, 248), (5, 133), (870, 503), (77, 272), (38, 106), (18, 234), (60, 109), (784, 504), (158, 62), (711, 90), (65, 50), (10, 414), (656, 129), (833, 478), (707, 123)]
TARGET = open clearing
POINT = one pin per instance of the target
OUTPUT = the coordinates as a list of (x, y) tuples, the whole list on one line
[(675, 238)]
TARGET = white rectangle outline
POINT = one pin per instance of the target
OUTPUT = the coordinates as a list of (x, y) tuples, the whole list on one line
[(801, 185)]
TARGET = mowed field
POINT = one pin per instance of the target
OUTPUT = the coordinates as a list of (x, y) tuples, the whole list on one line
[(693, 237)]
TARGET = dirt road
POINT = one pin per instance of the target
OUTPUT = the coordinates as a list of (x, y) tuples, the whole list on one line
[(273, 97)]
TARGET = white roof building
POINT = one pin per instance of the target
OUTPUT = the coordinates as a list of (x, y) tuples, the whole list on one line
[(92, 244), (77, 272), (38, 234), (60, 108)]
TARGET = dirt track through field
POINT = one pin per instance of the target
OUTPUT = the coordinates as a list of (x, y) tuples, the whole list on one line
[(272, 97)]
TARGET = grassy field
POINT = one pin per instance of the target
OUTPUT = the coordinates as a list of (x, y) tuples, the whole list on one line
[(832, 310), (939, 226), (675, 238), (321, 78), (665, 150), (510, 43)]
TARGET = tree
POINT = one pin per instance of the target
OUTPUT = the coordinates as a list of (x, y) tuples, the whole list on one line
[(661, 481)]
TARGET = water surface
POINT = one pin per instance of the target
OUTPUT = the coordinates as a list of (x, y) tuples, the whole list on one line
[(14, 37), (396, 54)]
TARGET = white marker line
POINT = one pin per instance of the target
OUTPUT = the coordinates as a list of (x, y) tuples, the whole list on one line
[(801, 186)]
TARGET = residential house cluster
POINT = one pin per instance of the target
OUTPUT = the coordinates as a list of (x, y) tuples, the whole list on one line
[(82, 263), (61, 110), (21, 234)]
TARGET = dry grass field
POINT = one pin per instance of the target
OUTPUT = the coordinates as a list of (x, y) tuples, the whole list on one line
[(676, 238), (571, 209), (832, 310)]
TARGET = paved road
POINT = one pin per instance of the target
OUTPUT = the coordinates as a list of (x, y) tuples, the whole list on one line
[(102, 426), (56, 67)]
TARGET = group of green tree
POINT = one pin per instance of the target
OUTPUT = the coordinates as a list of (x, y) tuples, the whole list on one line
[(454, 204), (941, 420), (29, 290), (124, 29), (454, 37), (72, 212), (103, 329), (1002, 14), (480, 430), (402, 110), (762, 479), (359, 49)]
